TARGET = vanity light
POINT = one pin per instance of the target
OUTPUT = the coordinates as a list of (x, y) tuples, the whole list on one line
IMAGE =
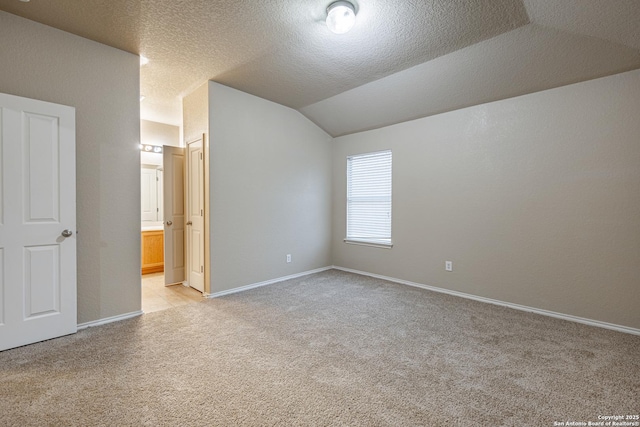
[(151, 148), (341, 16)]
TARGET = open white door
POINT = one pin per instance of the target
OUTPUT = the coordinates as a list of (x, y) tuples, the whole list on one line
[(174, 217), (195, 215), (37, 221)]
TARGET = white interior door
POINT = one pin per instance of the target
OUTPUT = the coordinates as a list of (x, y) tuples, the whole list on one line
[(174, 215), (37, 221), (195, 215)]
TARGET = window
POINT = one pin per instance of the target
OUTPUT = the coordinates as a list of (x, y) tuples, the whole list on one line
[(369, 198)]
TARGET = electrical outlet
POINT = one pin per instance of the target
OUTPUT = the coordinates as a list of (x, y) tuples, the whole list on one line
[(448, 265), (288, 257)]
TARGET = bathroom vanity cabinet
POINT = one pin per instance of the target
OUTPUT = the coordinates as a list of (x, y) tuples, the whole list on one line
[(152, 251)]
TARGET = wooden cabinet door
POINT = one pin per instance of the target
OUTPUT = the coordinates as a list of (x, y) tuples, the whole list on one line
[(152, 251)]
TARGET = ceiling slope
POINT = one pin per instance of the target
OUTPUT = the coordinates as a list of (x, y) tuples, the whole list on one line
[(279, 50), (617, 21), (525, 60), (405, 59)]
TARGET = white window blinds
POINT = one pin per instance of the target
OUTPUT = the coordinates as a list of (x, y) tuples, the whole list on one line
[(369, 198)]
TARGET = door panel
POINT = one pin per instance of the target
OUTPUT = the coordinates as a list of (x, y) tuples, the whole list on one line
[(2, 289), (37, 196), (195, 214), (160, 193), (42, 281), (178, 251), (173, 206), (40, 157), (196, 262)]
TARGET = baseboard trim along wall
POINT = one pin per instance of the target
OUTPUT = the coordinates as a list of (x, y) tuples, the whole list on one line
[(266, 282), (590, 322), (109, 320)]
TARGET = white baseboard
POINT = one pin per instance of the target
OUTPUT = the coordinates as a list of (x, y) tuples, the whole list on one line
[(590, 322), (267, 282), (109, 320)]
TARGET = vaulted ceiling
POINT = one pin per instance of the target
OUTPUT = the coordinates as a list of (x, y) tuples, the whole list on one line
[(404, 59)]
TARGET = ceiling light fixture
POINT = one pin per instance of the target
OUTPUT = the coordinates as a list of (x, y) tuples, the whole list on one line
[(341, 16), (151, 148), (143, 60)]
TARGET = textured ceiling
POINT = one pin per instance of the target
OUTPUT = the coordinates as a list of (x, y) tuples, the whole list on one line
[(526, 60), (404, 58)]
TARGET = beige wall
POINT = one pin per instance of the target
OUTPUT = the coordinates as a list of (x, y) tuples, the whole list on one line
[(270, 190), (195, 114), (535, 199), (155, 133), (102, 83)]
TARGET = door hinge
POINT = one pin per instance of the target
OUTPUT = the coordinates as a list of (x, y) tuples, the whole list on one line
[(200, 156), (201, 212), (201, 269)]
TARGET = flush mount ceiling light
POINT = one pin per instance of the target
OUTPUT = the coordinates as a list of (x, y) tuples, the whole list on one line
[(341, 16)]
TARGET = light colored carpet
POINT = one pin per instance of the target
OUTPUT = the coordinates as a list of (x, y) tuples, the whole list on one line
[(328, 349)]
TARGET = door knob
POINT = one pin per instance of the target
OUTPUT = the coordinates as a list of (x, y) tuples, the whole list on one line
[(67, 233), (189, 223), (169, 223)]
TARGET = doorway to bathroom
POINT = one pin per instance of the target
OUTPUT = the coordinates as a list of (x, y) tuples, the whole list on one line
[(156, 296), (162, 198)]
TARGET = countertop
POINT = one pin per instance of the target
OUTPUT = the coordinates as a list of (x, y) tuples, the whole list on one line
[(152, 226)]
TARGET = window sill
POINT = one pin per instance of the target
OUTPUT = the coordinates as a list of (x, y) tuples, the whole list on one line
[(365, 243)]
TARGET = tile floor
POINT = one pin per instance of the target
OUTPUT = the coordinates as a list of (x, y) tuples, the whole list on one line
[(156, 296)]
